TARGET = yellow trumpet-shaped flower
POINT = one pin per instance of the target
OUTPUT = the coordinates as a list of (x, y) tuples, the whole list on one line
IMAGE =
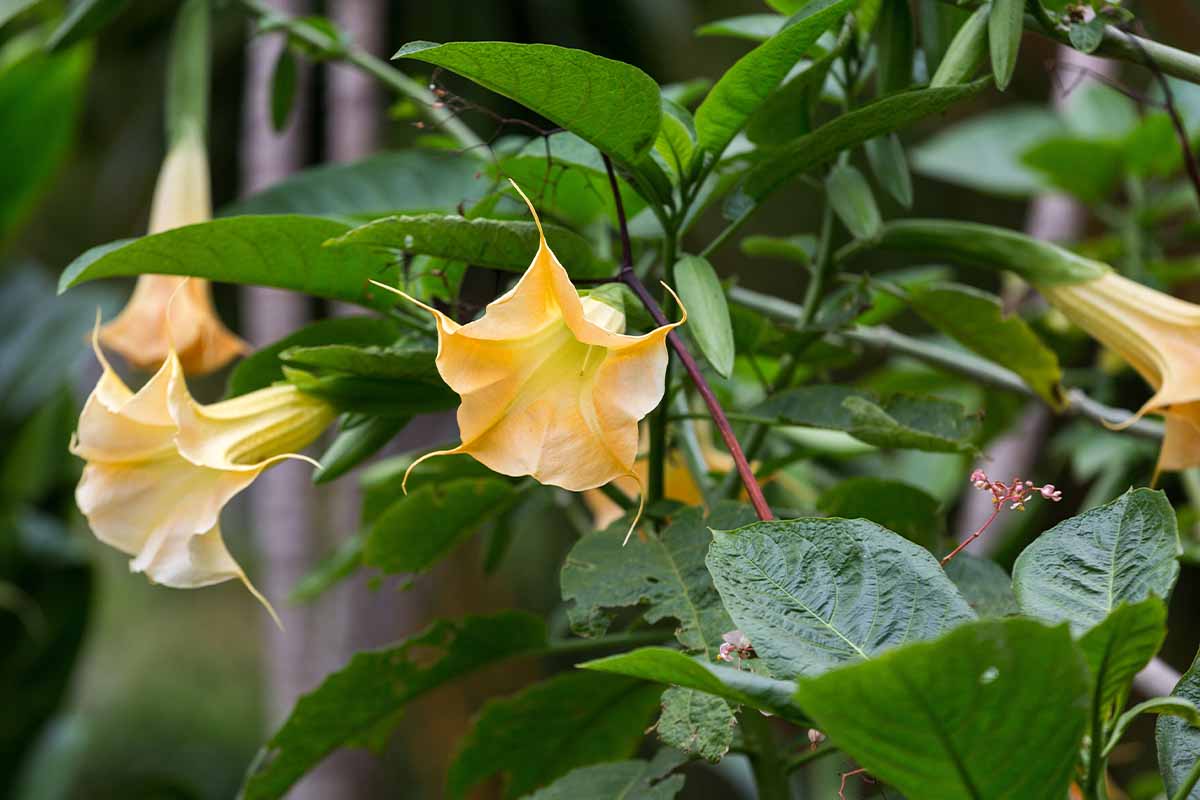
[(551, 387), (160, 467), (1159, 336), (142, 331)]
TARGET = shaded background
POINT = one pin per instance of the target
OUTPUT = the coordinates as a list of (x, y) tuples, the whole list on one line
[(167, 700)]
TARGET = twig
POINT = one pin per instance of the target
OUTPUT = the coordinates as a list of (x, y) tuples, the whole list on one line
[(630, 279)]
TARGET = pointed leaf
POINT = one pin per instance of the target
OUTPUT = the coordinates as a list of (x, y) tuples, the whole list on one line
[(1006, 25), (708, 314), (852, 200), (995, 709), (813, 594), (611, 104), (1119, 647), (543, 732), (1080, 570), (366, 697), (355, 445), (889, 165), (755, 27)]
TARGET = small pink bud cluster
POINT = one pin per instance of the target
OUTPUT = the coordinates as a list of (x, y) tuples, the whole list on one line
[(736, 645), (1015, 493)]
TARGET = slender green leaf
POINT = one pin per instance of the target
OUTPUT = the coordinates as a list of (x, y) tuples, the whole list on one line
[(790, 248), (895, 46), (1178, 738), (938, 23), (611, 104), (1080, 570), (977, 320), (673, 668), (355, 445), (9, 9), (966, 51), (852, 200), (423, 527), (373, 396), (813, 594), (499, 244), (618, 781), (994, 709), (283, 89), (543, 732), (748, 83), (695, 722), (1006, 25), (899, 507), (402, 360), (755, 27), (83, 19), (888, 163), (708, 314), (363, 702), (850, 130)]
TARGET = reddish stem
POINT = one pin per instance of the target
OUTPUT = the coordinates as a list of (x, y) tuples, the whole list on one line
[(630, 279), (973, 536)]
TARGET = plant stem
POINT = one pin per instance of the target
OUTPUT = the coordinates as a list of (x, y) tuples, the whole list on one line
[(807, 757), (381, 70), (962, 545), (630, 279), (1189, 783), (770, 771)]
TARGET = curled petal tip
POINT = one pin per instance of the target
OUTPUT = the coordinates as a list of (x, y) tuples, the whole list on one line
[(537, 221), (678, 302), (641, 507)]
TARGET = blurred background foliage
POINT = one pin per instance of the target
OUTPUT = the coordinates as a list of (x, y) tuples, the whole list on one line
[(112, 688)]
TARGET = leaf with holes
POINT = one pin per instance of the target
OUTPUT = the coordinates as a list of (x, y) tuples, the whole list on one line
[(619, 780), (695, 722)]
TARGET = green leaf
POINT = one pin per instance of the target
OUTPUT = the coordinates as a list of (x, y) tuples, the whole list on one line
[(938, 24), (664, 572), (899, 507), (281, 251), (985, 585), (364, 700), (673, 668), (10, 9), (1164, 707), (850, 130), (1086, 168), (1152, 148), (895, 47), (374, 396), (696, 723), (83, 19), (676, 141), (283, 89), (611, 104), (40, 99), (966, 51), (355, 445), (747, 84), (543, 732), (402, 360), (708, 314), (422, 528), (813, 594), (1118, 648), (1098, 111), (788, 248), (619, 780), (755, 27), (1006, 25), (499, 244), (971, 244), (852, 200), (888, 163), (952, 155), (977, 321), (1087, 36), (900, 421), (994, 709), (263, 367), (405, 181), (1080, 570), (1178, 738)]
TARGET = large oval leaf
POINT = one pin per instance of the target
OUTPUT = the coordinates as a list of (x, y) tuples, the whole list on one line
[(995, 709), (1080, 570), (611, 104), (813, 594), (499, 244), (747, 84), (282, 251)]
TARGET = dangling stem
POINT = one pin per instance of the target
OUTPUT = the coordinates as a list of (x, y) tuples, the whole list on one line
[(720, 421)]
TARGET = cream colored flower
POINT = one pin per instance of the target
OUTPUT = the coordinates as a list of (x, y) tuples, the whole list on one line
[(160, 467), (551, 387), (1159, 336), (140, 333)]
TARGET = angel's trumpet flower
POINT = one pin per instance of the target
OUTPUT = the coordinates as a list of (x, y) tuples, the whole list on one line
[(160, 467), (1159, 336), (551, 387), (140, 333)]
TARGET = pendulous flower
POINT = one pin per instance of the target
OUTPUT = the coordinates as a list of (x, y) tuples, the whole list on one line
[(1159, 336), (551, 387), (142, 332), (160, 467)]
